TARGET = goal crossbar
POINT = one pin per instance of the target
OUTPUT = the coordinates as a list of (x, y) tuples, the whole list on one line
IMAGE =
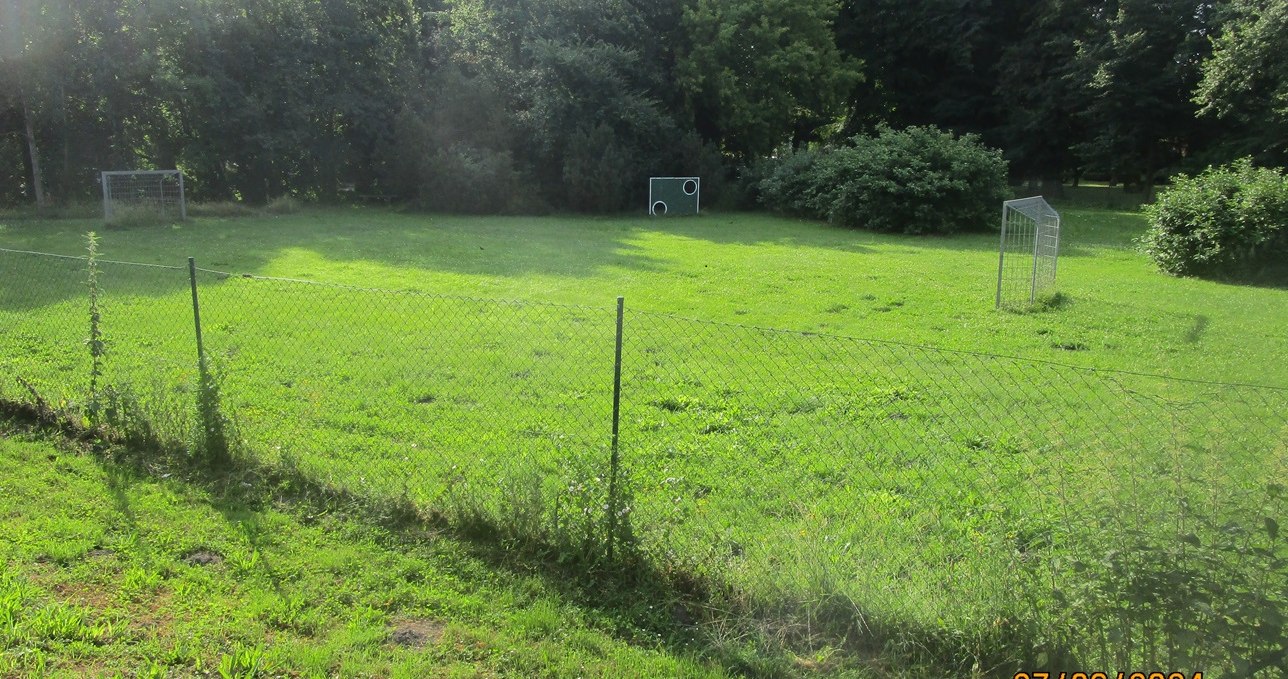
[(1035, 208), (129, 173)]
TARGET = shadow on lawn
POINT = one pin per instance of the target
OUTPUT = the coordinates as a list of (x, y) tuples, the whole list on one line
[(691, 615), (414, 244), (497, 247), (481, 246)]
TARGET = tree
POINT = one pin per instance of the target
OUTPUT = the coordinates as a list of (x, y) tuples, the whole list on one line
[(1139, 73), (17, 70), (914, 54), (995, 68), (279, 96), (588, 101), (1245, 80), (1039, 94), (761, 73)]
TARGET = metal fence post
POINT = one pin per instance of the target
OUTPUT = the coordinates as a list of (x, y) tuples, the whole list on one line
[(214, 440), (617, 409), (196, 314), (107, 197), (183, 202)]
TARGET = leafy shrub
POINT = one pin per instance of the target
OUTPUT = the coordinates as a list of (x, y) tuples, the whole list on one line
[(790, 185), (451, 153), (597, 172), (474, 180), (1213, 599), (918, 180), (1228, 221)]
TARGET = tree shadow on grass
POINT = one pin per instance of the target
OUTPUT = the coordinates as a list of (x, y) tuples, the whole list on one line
[(689, 614), (377, 248), (289, 246), (1271, 275)]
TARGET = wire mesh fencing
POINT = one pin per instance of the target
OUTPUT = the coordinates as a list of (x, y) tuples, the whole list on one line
[(493, 408), (911, 483), (44, 324), (931, 484)]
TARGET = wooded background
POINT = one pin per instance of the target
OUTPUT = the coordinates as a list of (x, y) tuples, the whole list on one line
[(532, 105)]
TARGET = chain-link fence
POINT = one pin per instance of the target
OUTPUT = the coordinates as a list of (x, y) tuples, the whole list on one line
[(1134, 517)]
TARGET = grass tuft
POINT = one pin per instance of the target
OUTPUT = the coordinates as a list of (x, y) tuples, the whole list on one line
[(225, 209), (282, 205), (134, 217)]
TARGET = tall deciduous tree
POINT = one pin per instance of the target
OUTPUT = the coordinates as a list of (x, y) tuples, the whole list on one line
[(929, 62), (1139, 72), (760, 73), (1039, 93), (17, 70), (994, 68), (1245, 80), (586, 92)]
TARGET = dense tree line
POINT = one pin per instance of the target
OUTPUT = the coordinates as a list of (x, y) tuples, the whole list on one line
[(518, 105)]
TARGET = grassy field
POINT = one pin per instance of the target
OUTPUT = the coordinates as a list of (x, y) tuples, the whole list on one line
[(110, 571), (752, 269), (897, 496)]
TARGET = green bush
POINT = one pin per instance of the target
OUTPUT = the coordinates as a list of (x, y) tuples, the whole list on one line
[(598, 174), (467, 179), (790, 184), (918, 180), (1229, 221)]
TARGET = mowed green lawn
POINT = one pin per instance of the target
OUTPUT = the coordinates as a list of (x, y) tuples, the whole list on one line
[(797, 465), (106, 572), (753, 269)]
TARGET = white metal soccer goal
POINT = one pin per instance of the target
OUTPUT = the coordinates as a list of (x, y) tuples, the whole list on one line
[(1030, 251), (154, 191)]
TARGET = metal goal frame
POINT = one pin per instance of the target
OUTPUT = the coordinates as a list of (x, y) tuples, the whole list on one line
[(1029, 256), (157, 189)]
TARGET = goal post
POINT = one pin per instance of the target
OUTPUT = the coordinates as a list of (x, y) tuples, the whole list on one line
[(155, 191), (1029, 255), (674, 196)]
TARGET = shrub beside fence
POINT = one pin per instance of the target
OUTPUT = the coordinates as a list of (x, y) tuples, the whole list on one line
[(1108, 517)]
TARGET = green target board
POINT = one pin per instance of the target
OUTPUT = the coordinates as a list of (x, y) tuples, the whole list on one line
[(670, 196)]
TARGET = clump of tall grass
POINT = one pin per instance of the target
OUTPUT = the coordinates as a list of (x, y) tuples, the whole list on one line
[(1207, 592), (133, 216), (66, 210), (221, 208), (282, 205)]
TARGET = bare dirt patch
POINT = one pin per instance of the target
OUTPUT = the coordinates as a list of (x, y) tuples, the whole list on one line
[(416, 632), (204, 557)]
